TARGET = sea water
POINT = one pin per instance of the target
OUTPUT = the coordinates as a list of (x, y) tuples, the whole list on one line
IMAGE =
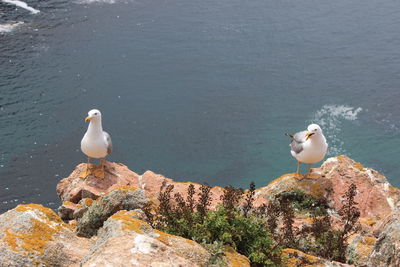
[(195, 90)]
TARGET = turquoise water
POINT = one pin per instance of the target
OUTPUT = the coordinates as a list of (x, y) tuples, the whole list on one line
[(195, 90)]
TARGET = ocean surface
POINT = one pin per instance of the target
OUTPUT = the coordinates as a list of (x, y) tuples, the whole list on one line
[(195, 90)]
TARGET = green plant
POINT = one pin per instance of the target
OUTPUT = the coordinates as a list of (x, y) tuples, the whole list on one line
[(249, 198), (326, 241), (256, 232), (226, 225)]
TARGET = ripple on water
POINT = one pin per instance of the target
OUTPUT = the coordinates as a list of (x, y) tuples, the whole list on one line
[(10, 26), (330, 118)]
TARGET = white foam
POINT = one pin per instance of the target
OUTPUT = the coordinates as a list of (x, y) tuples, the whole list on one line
[(22, 5), (330, 118), (9, 26), (95, 1)]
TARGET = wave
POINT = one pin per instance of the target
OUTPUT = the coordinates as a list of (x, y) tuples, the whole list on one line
[(9, 26), (95, 1), (22, 5), (330, 118)]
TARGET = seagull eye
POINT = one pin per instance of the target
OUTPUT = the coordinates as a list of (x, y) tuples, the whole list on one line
[(95, 113)]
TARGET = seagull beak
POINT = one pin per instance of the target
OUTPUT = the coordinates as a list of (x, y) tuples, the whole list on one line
[(308, 135), (88, 119)]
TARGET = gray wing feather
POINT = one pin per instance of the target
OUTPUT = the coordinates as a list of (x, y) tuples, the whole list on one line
[(109, 143), (297, 141)]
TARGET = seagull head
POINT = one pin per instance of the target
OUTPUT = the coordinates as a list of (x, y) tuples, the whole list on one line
[(313, 129), (94, 115)]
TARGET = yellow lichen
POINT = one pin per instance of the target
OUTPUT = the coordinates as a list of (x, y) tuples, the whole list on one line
[(296, 258), (126, 188), (130, 223), (51, 215), (314, 189), (88, 201), (368, 220), (359, 166), (187, 183), (235, 259), (67, 203), (364, 248), (369, 240), (171, 240), (282, 178), (35, 238)]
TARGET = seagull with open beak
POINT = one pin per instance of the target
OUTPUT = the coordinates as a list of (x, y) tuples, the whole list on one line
[(309, 146), (96, 143)]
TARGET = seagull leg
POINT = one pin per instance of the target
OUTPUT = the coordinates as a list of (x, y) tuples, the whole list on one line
[(298, 169), (99, 173), (308, 170), (86, 172)]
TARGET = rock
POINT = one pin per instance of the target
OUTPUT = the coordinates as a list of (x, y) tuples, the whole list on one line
[(386, 251), (137, 244), (83, 206), (359, 249), (123, 198), (234, 259), (71, 211), (151, 183), (375, 196), (67, 209), (32, 235), (296, 258), (74, 188)]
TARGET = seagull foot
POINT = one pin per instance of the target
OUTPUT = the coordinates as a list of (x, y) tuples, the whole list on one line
[(299, 176), (85, 173), (99, 173)]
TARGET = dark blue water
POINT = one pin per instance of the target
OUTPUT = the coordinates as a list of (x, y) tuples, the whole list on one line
[(195, 90)]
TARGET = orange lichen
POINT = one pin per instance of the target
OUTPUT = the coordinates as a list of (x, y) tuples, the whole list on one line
[(235, 259), (369, 221), (365, 247), (359, 166), (88, 202), (126, 188), (314, 189), (51, 215), (369, 240), (130, 223), (171, 240), (296, 258), (341, 157), (35, 238), (67, 203), (282, 177), (187, 183)]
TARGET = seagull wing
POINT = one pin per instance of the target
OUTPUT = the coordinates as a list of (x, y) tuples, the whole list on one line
[(108, 142), (297, 141)]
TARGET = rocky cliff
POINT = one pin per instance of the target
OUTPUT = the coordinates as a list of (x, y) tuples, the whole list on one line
[(101, 221)]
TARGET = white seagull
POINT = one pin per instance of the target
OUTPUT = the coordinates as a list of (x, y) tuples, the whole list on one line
[(309, 146), (96, 143)]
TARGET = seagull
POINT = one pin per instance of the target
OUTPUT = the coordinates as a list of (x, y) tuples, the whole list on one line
[(96, 143), (308, 146)]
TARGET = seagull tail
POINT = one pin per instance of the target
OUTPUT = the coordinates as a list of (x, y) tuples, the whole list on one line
[(291, 136)]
